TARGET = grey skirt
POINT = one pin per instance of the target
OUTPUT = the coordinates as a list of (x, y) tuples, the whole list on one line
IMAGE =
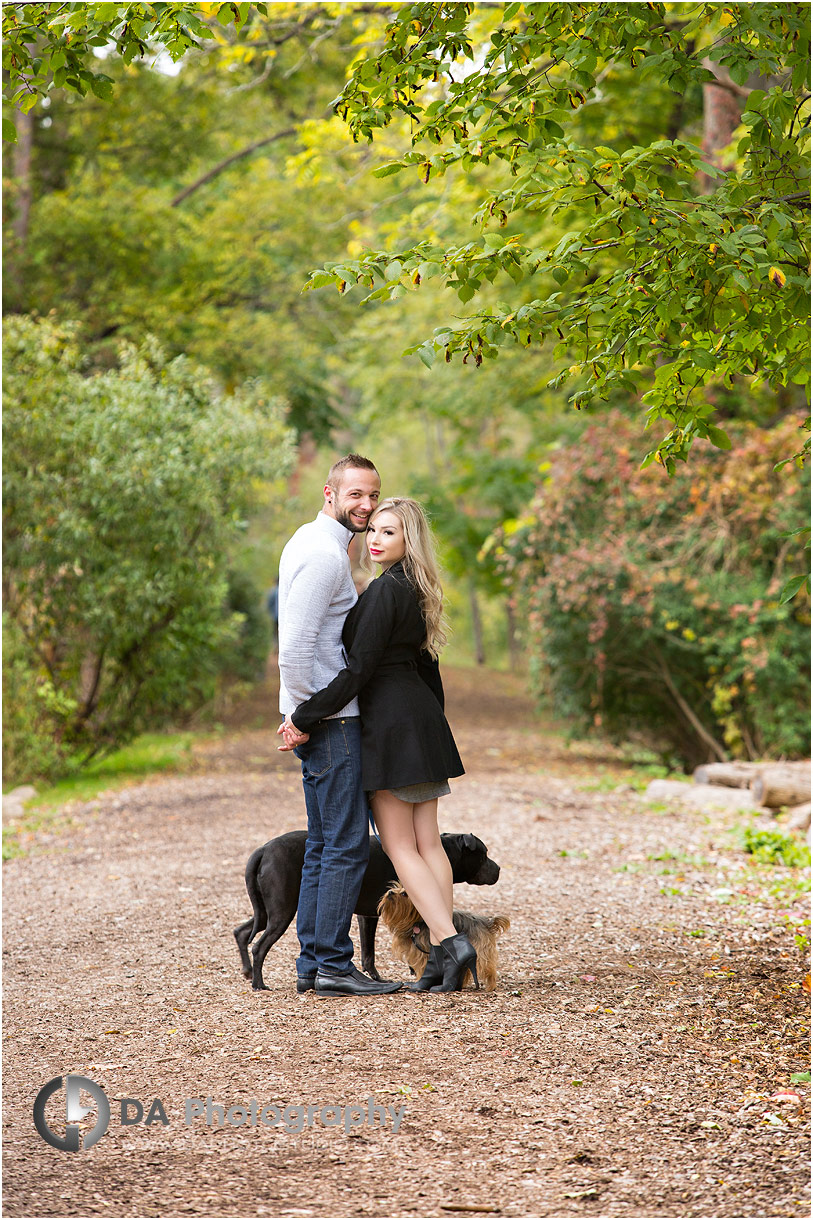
[(413, 794)]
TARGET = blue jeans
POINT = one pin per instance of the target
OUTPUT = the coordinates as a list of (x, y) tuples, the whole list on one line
[(337, 848)]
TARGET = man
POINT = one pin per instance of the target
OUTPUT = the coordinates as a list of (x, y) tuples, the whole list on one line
[(316, 591)]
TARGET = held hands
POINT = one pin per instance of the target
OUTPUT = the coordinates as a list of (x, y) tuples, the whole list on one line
[(291, 735)]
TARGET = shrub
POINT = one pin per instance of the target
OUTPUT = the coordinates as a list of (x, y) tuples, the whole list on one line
[(653, 603), (125, 493), (30, 747), (247, 657)]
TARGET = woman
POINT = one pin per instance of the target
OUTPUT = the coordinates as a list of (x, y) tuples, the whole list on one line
[(392, 637)]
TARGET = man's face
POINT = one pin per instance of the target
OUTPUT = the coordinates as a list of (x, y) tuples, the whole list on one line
[(354, 499)]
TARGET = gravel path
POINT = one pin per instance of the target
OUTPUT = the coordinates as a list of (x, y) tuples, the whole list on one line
[(636, 1059)]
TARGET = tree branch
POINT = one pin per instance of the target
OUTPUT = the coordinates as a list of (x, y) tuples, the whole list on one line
[(224, 165), (694, 721)]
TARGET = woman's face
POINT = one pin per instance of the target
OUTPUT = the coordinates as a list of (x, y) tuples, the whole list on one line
[(385, 539)]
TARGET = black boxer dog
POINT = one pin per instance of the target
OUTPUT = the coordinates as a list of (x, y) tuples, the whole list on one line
[(274, 871)]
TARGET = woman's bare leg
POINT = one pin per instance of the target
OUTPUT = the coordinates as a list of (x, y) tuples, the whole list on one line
[(393, 820), (430, 848)]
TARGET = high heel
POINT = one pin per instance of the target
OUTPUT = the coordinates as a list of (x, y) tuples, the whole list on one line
[(459, 955), (432, 972)]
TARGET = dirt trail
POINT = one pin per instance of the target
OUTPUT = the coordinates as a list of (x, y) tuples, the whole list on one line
[(649, 1016)]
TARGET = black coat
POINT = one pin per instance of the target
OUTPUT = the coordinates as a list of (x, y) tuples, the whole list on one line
[(405, 738)]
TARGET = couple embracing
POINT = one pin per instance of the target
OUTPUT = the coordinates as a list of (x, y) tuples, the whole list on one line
[(362, 697)]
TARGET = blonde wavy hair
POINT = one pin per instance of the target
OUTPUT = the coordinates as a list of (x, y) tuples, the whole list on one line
[(420, 564)]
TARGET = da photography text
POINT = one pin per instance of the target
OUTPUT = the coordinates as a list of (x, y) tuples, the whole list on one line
[(197, 1111)]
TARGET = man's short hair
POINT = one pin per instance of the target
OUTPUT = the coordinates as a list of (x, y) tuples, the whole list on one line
[(353, 461)]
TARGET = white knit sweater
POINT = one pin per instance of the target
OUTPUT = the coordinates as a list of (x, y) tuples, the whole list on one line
[(316, 591)]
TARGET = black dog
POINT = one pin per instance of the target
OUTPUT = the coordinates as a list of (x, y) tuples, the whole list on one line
[(274, 871)]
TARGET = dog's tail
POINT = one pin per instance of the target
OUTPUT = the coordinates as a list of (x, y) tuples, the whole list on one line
[(258, 906)]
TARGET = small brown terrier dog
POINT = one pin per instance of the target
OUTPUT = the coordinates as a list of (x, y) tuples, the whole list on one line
[(410, 935)]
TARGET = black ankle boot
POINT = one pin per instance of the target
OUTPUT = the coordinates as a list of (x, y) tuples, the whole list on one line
[(433, 971), (459, 955)]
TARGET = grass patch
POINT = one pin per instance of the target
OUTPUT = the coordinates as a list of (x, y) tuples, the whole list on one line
[(149, 754), (774, 847)]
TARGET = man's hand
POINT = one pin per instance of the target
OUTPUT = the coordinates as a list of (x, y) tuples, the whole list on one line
[(291, 735)]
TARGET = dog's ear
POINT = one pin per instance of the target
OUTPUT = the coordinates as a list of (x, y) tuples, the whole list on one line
[(471, 842)]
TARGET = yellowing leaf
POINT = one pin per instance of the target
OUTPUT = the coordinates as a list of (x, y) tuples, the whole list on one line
[(776, 277)]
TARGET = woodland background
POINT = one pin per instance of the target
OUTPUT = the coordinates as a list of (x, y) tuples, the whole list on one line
[(586, 225)]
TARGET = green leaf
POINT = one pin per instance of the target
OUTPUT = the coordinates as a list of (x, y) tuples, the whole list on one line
[(320, 279), (741, 71), (427, 355), (717, 437), (792, 587), (384, 171), (9, 131), (428, 271), (101, 87)]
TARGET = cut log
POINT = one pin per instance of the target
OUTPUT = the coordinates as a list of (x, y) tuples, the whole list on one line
[(729, 775), (700, 796), (799, 818), (783, 784)]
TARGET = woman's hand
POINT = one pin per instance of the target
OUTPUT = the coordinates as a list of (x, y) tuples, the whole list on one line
[(291, 735)]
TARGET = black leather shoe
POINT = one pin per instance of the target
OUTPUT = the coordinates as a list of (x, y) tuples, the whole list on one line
[(353, 983), (305, 982)]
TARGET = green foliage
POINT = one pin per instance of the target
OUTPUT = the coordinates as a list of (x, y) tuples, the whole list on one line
[(193, 204), (653, 607), (125, 493), (29, 747), (246, 658), (660, 273), (774, 847), (47, 46)]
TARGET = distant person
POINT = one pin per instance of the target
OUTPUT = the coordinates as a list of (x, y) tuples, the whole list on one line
[(272, 606), (392, 636), (316, 592)]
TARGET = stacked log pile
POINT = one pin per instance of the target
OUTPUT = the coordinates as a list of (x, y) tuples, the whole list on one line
[(770, 786)]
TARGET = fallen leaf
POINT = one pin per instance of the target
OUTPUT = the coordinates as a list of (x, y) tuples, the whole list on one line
[(789, 1095)]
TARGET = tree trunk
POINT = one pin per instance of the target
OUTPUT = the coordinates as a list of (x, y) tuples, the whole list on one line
[(511, 632), (783, 784), (722, 108), (305, 455), (21, 170), (476, 624)]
